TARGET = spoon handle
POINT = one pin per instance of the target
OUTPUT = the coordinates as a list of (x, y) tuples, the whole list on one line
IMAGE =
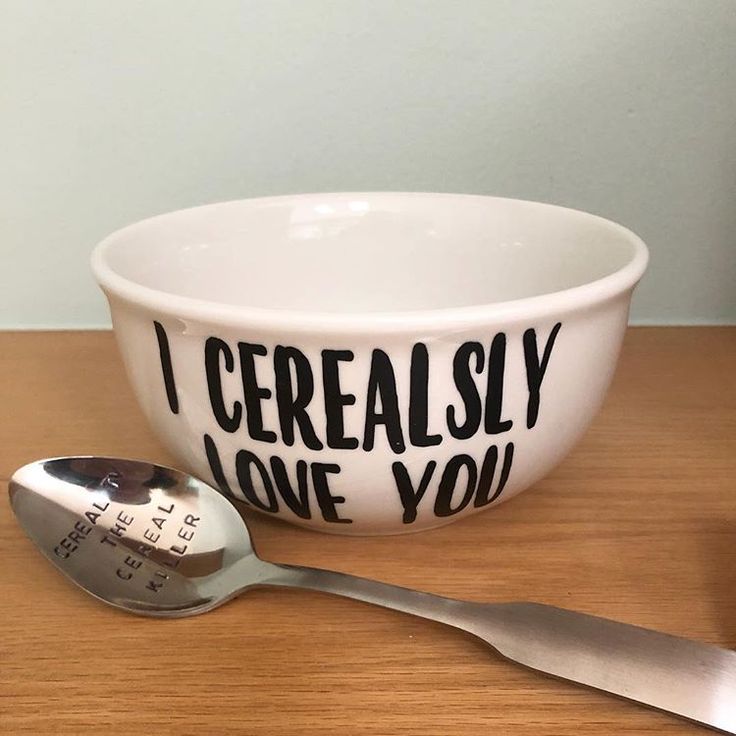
[(686, 678), (425, 605)]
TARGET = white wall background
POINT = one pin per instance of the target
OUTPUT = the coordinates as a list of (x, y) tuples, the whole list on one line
[(119, 109)]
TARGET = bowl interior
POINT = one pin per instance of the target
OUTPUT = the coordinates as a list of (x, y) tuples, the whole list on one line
[(364, 253)]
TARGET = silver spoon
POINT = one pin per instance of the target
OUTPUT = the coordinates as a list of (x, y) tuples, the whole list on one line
[(157, 542)]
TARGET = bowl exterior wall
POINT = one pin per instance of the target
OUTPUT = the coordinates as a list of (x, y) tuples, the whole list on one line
[(359, 432)]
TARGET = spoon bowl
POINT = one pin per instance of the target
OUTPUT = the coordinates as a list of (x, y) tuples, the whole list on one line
[(142, 537)]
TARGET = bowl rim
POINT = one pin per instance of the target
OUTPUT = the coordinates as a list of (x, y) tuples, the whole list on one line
[(439, 319)]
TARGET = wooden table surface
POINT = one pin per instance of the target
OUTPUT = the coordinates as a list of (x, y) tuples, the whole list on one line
[(638, 524)]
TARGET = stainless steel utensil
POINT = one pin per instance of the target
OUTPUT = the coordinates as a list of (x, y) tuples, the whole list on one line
[(157, 542)]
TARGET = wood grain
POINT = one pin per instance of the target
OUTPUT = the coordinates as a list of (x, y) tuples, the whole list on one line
[(638, 524)]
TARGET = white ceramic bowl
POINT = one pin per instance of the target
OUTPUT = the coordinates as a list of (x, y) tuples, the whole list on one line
[(370, 363)]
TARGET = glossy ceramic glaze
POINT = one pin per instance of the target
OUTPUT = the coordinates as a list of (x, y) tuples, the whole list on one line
[(370, 363)]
